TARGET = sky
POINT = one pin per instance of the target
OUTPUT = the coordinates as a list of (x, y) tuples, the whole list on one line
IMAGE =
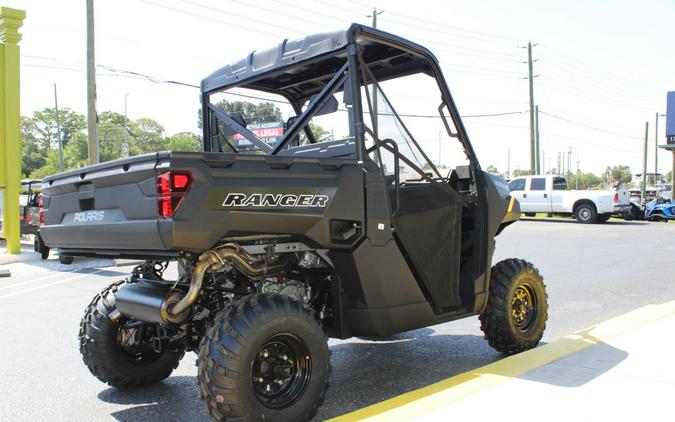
[(602, 67)]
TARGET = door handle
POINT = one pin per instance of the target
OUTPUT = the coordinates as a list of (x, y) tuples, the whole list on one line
[(524, 195), (546, 195)]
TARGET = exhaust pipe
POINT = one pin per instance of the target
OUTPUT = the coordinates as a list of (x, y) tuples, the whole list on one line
[(151, 301)]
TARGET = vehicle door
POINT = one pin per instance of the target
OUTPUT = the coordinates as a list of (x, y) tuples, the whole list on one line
[(537, 195), (427, 196), (557, 194), (517, 188)]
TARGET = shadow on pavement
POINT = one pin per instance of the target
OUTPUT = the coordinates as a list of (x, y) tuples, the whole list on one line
[(175, 399), (572, 221), (364, 372)]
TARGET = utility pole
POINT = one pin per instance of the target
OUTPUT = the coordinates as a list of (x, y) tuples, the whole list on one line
[(376, 117), (576, 183), (536, 138), (559, 169), (543, 162), (508, 164), (656, 147), (533, 148), (125, 148), (59, 138), (92, 118), (569, 161), (644, 164)]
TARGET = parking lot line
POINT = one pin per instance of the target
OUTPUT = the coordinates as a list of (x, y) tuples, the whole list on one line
[(49, 284), (36, 279), (423, 400)]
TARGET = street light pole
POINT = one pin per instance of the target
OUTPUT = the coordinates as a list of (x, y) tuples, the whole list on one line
[(125, 148)]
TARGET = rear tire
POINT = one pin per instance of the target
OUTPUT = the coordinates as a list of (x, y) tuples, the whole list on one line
[(515, 316), (40, 247), (586, 213), (107, 359), (265, 358), (66, 260)]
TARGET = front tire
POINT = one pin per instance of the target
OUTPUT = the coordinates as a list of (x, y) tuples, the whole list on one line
[(586, 213), (515, 316), (265, 358), (603, 218), (108, 359)]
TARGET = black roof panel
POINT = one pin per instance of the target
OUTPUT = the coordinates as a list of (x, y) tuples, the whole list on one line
[(298, 68)]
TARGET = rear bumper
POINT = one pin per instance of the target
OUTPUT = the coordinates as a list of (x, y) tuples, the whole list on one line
[(137, 234), (623, 210)]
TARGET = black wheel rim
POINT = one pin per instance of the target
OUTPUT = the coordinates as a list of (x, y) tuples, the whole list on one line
[(523, 307), (281, 370)]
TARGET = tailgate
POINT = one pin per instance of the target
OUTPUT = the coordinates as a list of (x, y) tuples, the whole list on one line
[(623, 197), (110, 205)]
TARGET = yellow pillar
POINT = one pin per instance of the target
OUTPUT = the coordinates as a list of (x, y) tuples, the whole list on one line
[(10, 140)]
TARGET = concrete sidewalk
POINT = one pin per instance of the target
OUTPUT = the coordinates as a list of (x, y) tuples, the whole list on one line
[(618, 370)]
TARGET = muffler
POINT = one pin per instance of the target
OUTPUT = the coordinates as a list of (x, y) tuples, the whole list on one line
[(152, 301)]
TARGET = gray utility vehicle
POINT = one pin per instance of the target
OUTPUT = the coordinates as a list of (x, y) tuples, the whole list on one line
[(324, 231)]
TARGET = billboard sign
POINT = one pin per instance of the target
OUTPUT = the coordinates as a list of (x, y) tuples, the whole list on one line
[(270, 132), (670, 119)]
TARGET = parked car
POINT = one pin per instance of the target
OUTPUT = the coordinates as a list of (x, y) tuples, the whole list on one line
[(29, 211), (660, 210), (549, 194)]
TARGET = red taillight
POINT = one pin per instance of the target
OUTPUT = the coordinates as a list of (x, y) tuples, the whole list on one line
[(42, 211), (172, 187), (616, 197)]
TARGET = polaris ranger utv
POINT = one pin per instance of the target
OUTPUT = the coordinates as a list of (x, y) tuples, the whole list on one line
[(338, 225)]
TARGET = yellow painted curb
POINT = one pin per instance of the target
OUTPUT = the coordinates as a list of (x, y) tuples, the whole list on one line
[(417, 402)]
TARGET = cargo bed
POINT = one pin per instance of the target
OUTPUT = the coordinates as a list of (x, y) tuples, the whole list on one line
[(113, 208)]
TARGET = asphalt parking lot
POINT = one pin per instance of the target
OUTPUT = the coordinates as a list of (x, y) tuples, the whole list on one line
[(593, 273)]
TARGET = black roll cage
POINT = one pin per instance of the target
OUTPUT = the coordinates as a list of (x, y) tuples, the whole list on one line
[(353, 69)]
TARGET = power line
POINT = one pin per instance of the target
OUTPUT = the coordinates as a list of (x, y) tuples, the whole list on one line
[(593, 89), (595, 98), (443, 25), (230, 13), (185, 12), (604, 87), (589, 126), (602, 72)]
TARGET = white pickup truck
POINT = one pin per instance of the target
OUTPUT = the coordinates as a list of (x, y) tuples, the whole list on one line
[(549, 194)]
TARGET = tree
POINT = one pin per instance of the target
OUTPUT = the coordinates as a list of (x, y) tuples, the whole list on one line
[(586, 181), (39, 135), (33, 153), (148, 135), (519, 172), (184, 141), (492, 170), (110, 135), (45, 127), (617, 174)]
